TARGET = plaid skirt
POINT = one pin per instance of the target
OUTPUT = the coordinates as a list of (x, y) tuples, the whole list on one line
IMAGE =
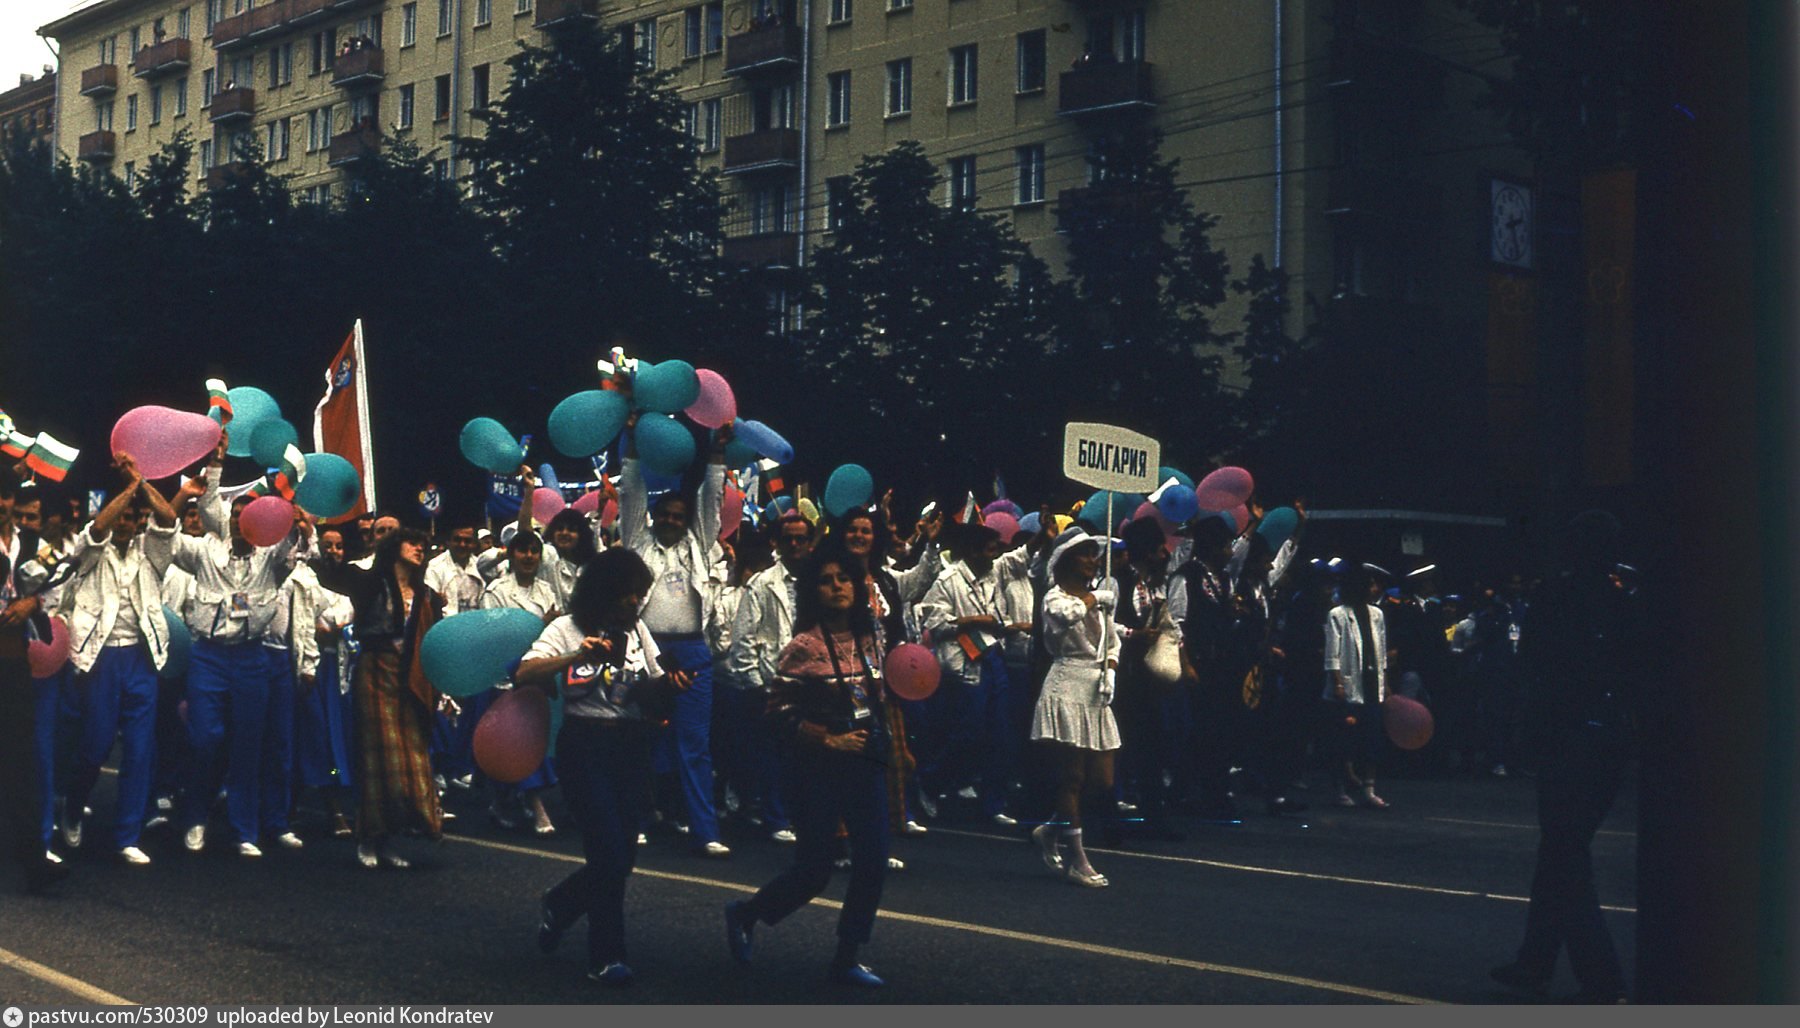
[(393, 734)]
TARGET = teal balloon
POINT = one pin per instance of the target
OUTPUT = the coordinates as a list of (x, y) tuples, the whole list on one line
[(587, 422), (739, 454), (1163, 474), (181, 644), (474, 651), (663, 444), (489, 446), (667, 388), (250, 407), (1278, 526), (849, 487), (1093, 512), (330, 488), (270, 440)]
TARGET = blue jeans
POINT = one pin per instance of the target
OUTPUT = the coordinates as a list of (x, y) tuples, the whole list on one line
[(47, 710), (967, 735), (232, 687), (121, 701), (686, 748), (753, 763)]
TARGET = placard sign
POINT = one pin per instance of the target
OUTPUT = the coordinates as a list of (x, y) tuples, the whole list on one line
[(1106, 457)]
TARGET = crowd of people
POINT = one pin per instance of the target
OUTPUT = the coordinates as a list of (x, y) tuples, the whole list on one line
[(698, 675)]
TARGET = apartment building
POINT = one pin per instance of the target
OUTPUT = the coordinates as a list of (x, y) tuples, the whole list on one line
[(29, 110)]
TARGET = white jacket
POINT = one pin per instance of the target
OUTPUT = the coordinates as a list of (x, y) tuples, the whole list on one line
[(699, 553), (958, 593), (1343, 653), (307, 599), (763, 625), (94, 591)]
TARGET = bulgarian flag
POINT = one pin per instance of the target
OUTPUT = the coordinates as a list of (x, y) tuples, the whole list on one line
[(293, 468), (975, 642), (13, 444), (218, 401), (772, 477), (50, 457)]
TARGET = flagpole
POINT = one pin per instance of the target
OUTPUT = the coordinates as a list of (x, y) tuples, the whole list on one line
[(362, 418)]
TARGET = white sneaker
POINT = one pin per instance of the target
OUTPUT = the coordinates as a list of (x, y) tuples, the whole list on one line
[(249, 850), (681, 828), (290, 841), (165, 804), (785, 835), (463, 781), (968, 792), (156, 822), (643, 840), (715, 849), (1005, 822), (71, 833), (195, 839), (367, 857), (913, 828), (896, 864), (133, 855), (50, 857)]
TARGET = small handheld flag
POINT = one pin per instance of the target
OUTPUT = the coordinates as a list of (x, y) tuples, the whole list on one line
[(51, 458), (218, 401)]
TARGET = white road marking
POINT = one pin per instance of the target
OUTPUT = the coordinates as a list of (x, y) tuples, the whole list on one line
[(75, 986)]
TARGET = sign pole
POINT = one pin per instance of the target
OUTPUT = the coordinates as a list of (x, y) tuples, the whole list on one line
[(1106, 623), (1114, 459)]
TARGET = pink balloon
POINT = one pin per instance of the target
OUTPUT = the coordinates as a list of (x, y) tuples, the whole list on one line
[(1408, 722), (47, 657), (163, 441), (912, 671), (731, 512), (609, 513), (513, 736), (587, 503), (717, 406), (266, 521), (1233, 483), (546, 503), (1241, 515), (1004, 523)]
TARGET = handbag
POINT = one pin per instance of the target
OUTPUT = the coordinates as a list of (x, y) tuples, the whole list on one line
[(1163, 659)]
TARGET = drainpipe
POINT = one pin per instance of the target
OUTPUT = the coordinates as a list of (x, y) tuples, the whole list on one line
[(1280, 144), (56, 104), (806, 36), (456, 74)]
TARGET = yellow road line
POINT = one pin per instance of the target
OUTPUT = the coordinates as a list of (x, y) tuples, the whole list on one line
[(1135, 956), (77, 987)]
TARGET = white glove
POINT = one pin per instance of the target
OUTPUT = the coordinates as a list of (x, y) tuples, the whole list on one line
[(1108, 685), (1104, 599)]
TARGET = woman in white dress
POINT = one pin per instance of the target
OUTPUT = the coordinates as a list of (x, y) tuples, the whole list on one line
[(1073, 715)]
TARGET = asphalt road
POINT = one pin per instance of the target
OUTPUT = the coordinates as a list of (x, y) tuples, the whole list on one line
[(1335, 906)]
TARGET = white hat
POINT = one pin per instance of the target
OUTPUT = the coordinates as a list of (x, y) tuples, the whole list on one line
[(1070, 540)]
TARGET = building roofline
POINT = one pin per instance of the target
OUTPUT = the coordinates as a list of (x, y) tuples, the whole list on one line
[(81, 16)]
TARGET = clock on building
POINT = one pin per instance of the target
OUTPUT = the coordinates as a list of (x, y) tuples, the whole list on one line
[(1511, 217)]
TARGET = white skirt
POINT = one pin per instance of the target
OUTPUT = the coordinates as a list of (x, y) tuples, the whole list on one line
[(1069, 709)]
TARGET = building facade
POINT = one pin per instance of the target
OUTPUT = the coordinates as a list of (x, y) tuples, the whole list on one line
[(28, 112)]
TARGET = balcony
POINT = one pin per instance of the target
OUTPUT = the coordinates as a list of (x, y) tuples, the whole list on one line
[(275, 17), (98, 147), (221, 174), (565, 12), (1113, 204), (763, 249), (230, 105), (170, 55), (356, 145), (1106, 86), (358, 68), (1381, 195), (776, 48), (102, 80), (762, 150)]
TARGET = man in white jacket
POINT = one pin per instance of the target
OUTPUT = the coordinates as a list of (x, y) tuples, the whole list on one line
[(763, 625), (120, 641)]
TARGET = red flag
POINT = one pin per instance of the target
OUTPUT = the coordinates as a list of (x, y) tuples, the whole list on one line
[(341, 421)]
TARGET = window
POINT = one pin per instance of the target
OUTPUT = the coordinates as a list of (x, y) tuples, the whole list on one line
[(484, 12), (241, 72), (183, 23), (837, 202), (364, 111), (156, 104), (715, 26), (478, 86), (1131, 36), (1030, 163), (445, 17), (442, 111), (409, 24), (215, 13), (106, 48), (899, 87), (103, 116), (962, 75), (1031, 61), (772, 210), (961, 183), (406, 106), (837, 95), (280, 133), (521, 6), (643, 42), (840, 12), (206, 155), (130, 174), (440, 169), (325, 49), (281, 65), (209, 85), (772, 107), (900, 5), (131, 113), (710, 118), (181, 97), (318, 128), (137, 38), (690, 31)]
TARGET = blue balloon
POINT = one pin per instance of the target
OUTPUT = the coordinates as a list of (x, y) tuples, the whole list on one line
[(181, 643), (1178, 504), (765, 441), (489, 446), (1164, 473), (547, 477), (270, 439), (250, 407), (586, 423), (667, 388), (474, 651), (1031, 522), (663, 444), (1093, 512), (330, 488), (738, 454), (848, 488), (1278, 525)]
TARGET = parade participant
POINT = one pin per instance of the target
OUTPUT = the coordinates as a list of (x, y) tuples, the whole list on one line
[(233, 677), (572, 545), (394, 700), (1154, 715), (605, 663), (745, 760), (380, 527), (59, 705), (121, 642), (1073, 717), (1356, 655), (1206, 635), (21, 808), (1591, 651), (679, 540), (171, 691), (763, 626), (323, 712), (523, 587), (453, 574), (826, 703)]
